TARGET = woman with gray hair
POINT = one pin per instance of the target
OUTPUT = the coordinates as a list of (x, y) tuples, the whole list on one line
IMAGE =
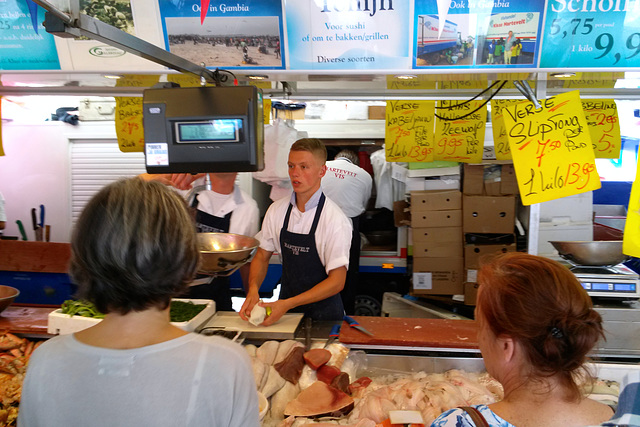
[(133, 249)]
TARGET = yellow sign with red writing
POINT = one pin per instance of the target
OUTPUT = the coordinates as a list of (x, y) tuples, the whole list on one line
[(129, 128), (408, 135), (551, 148), (631, 240), (500, 141), (1, 149), (604, 126), (460, 127)]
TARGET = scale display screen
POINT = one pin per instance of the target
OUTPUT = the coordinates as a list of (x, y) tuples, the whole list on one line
[(208, 131)]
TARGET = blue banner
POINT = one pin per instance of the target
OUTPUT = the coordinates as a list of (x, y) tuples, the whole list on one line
[(477, 33), (24, 43), (594, 34), (225, 34)]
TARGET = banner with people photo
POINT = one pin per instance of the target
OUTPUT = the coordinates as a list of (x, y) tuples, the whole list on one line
[(225, 35)]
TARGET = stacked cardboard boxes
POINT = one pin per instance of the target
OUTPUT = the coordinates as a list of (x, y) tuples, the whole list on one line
[(488, 218), (436, 222)]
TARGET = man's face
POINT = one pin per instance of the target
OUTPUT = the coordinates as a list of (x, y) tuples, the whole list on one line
[(306, 172)]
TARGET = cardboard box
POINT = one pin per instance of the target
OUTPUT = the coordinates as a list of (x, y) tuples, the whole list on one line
[(470, 293), (488, 214), (508, 182), (437, 276), (473, 181), (288, 114), (489, 238), (438, 250), (377, 112), (475, 254), (401, 213), (492, 180), (434, 235), (435, 200), (436, 219)]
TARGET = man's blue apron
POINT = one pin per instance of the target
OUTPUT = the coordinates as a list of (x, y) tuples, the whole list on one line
[(302, 269)]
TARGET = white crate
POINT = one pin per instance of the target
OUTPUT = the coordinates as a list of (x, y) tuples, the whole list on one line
[(60, 324)]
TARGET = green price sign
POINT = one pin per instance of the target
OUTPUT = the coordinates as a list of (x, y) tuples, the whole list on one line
[(591, 34)]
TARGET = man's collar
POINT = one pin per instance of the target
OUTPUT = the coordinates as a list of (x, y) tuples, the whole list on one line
[(311, 203)]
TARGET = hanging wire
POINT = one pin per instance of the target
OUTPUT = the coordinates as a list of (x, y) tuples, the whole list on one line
[(221, 76), (469, 100), (470, 113)]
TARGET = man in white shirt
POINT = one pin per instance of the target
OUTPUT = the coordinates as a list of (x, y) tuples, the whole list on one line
[(312, 236), (349, 186), (223, 209)]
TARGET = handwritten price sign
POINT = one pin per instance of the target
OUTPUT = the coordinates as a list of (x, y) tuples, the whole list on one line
[(591, 34), (408, 133), (631, 240), (604, 126), (129, 128), (500, 141), (422, 82), (461, 137), (551, 149)]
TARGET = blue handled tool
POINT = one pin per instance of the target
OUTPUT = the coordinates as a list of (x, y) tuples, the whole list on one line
[(354, 324), (41, 216), (333, 335)]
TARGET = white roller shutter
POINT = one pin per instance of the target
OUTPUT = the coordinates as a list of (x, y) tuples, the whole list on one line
[(96, 163)]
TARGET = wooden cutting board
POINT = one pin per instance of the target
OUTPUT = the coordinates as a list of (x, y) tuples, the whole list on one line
[(25, 319), (413, 332), (285, 328)]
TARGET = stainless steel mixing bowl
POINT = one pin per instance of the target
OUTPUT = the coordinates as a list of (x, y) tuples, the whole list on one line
[(7, 295), (595, 253), (224, 252)]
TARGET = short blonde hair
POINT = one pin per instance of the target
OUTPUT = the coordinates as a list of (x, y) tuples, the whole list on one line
[(312, 145)]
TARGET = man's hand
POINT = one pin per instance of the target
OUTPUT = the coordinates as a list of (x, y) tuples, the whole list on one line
[(182, 181), (278, 309), (251, 300)]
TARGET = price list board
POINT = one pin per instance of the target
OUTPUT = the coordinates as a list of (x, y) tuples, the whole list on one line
[(409, 131), (551, 148), (594, 34)]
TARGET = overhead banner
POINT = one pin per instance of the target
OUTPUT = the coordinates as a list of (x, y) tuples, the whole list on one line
[(591, 34), (348, 35), (225, 34), (551, 148), (24, 42), (478, 34)]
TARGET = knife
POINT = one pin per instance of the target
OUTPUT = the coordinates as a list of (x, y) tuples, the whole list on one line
[(333, 335), (354, 324), (34, 221), (41, 216), (21, 228)]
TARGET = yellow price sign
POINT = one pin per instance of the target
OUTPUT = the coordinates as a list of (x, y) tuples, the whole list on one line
[(551, 149), (631, 240), (460, 128), (463, 84), (408, 132), (604, 126), (266, 108), (422, 81), (500, 141), (129, 128)]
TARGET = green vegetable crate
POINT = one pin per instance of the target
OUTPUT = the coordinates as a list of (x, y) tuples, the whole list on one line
[(60, 324)]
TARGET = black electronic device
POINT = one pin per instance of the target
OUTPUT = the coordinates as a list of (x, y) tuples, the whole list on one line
[(203, 129)]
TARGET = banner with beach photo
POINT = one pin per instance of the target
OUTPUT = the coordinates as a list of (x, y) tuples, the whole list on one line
[(226, 35)]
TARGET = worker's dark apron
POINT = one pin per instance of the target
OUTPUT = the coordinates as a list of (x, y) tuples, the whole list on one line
[(302, 269), (218, 289), (348, 294)]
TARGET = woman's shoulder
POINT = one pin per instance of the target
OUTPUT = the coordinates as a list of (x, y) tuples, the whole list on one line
[(458, 417)]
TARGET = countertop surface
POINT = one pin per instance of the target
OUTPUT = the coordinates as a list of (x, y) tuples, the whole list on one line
[(26, 319)]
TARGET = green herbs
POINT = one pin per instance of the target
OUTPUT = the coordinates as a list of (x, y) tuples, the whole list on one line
[(182, 311), (80, 308)]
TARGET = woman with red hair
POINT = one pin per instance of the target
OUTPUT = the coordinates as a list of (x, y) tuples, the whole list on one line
[(536, 326)]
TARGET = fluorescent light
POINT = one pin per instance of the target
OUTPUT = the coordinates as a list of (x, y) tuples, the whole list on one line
[(562, 75), (406, 76)]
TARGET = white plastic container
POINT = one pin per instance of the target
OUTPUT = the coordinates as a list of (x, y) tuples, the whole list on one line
[(60, 324)]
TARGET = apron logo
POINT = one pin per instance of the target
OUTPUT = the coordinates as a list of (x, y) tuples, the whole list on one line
[(295, 250), (203, 228)]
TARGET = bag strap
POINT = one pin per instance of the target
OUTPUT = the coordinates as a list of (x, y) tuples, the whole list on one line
[(477, 418)]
